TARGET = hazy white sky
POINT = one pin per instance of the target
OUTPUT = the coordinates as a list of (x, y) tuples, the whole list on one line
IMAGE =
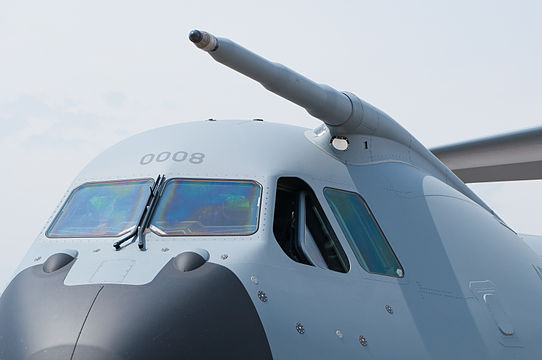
[(78, 76)]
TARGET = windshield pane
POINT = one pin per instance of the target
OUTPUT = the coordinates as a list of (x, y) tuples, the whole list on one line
[(102, 209), (207, 207)]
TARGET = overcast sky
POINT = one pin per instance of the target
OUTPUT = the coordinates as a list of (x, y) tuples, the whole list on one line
[(79, 76)]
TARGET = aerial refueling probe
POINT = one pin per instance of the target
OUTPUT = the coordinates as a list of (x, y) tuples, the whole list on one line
[(344, 113), (321, 101)]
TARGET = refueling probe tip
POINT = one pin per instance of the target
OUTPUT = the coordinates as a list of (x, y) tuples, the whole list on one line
[(195, 36), (203, 40)]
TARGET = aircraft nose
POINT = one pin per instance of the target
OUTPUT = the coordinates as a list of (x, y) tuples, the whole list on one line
[(191, 310)]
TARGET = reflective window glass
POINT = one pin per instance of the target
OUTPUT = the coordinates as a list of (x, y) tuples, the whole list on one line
[(363, 233), (102, 209), (207, 207)]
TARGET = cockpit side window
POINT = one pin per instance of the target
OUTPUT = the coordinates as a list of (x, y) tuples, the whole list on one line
[(101, 209), (370, 246), (302, 230)]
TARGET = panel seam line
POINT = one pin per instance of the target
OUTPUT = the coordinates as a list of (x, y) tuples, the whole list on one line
[(84, 321)]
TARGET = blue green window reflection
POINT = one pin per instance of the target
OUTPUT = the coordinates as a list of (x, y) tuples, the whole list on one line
[(207, 207), (363, 233), (102, 209)]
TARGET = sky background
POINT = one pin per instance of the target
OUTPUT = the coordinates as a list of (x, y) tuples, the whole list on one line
[(79, 76)]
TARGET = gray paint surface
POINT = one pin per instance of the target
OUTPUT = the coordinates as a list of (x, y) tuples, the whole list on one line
[(443, 239), (444, 236)]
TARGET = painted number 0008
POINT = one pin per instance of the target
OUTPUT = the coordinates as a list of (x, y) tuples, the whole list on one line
[(179, 156)]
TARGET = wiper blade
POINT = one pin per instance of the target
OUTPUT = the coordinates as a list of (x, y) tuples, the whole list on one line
[(148, 215), (150, 201)]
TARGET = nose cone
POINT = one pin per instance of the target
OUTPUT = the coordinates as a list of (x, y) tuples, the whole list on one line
[(199, 311)]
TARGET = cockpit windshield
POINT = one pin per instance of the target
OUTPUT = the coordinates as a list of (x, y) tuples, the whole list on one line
[(102, 209), (207, 207)]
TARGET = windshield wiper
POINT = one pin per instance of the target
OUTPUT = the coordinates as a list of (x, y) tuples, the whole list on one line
[(151, 201), (148, 214)]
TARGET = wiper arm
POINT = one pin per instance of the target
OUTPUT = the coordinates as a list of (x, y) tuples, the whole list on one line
[(130, 235), (148, 214), (150, 201)]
